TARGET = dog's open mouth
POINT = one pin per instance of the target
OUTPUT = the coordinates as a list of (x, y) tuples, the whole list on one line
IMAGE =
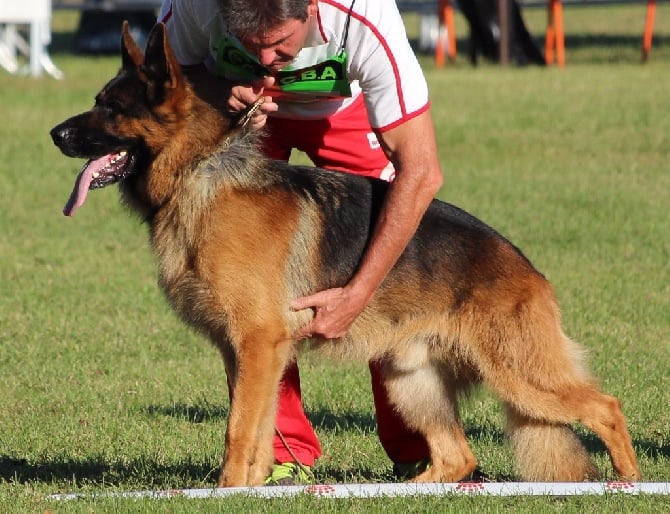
[(95, 174)]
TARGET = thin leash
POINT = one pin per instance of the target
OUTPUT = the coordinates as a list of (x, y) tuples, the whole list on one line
[(295, 458)]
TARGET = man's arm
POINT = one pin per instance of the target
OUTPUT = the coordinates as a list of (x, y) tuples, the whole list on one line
[(412, 149)]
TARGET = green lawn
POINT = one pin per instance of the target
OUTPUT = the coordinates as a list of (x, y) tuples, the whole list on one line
[(104, 390)]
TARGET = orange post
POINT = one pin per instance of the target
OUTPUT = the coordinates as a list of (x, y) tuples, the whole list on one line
[(549, 40), (451, 28), (447, 38), (554, 47), (648, 29)]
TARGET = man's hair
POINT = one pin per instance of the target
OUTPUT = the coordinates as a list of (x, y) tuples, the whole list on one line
[(247, 17)]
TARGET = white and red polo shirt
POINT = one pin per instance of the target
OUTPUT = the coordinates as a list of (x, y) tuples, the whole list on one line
[(380, 63)]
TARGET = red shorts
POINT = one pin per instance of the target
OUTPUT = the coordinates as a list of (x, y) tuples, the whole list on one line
[(343, 142)]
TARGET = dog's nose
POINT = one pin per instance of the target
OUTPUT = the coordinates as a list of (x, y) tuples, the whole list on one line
[(65, 137), (59, 135)]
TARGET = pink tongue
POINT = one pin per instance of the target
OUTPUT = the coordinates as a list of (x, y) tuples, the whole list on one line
[(83, 182)]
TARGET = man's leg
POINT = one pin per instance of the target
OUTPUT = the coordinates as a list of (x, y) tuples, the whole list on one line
[(297, 440)]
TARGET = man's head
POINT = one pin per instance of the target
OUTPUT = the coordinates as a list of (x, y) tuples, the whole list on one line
[(274, 31)]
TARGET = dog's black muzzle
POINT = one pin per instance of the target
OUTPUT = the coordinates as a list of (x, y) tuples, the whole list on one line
[(75, 137), (64, 137)]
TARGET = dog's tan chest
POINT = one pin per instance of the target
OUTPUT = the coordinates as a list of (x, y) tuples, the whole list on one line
[(218, 259), (176, 241)]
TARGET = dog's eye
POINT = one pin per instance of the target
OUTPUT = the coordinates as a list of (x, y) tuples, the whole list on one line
[(112, 108)]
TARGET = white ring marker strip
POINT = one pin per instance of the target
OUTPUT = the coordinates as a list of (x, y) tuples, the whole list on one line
[(396, 489)]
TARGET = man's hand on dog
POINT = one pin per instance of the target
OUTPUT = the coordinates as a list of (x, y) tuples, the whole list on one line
[(243, 96), (334, 312)]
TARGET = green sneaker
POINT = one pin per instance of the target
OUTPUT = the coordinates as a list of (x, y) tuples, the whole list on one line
[(289, 473), (409, 470)]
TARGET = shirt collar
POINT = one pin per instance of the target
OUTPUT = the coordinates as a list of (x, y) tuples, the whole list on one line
[(315, 34)]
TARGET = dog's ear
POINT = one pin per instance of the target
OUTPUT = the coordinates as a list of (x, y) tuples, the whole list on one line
[(160, 63), (131, 55)]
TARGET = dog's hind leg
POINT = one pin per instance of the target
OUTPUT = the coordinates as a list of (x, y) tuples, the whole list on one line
[(581, 401), (425, 403), (531, 365), (542, 413), (547, 451), (261, 359), (539, 430), (602, 414), (450, 455)]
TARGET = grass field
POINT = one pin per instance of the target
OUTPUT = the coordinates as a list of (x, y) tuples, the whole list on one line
[(103, 389)]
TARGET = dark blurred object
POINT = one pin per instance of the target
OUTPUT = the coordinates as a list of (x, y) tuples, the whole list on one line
[(484, 21), (99, 30)]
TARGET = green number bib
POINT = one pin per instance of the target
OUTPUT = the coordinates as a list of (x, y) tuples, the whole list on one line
[(328, 78)]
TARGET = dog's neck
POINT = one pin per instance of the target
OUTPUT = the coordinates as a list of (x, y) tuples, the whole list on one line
[(203, 134)]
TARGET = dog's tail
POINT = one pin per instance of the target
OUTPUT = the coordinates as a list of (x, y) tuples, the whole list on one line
[(547, 452)]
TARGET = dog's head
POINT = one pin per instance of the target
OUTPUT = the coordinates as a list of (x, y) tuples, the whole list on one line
[(133, 116)]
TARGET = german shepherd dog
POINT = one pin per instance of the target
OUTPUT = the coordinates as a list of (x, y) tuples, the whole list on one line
[(238, 236)]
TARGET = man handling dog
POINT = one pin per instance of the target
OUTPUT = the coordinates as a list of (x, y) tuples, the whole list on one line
[(239, 236), (340, 82)]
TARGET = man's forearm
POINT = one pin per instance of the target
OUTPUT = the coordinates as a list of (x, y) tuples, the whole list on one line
[(418, 178), (396, 225)]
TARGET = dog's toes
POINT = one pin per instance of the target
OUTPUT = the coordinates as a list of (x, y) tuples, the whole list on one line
[(436, 474)]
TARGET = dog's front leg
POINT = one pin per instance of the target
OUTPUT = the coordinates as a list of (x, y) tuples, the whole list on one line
[(261, 360)]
